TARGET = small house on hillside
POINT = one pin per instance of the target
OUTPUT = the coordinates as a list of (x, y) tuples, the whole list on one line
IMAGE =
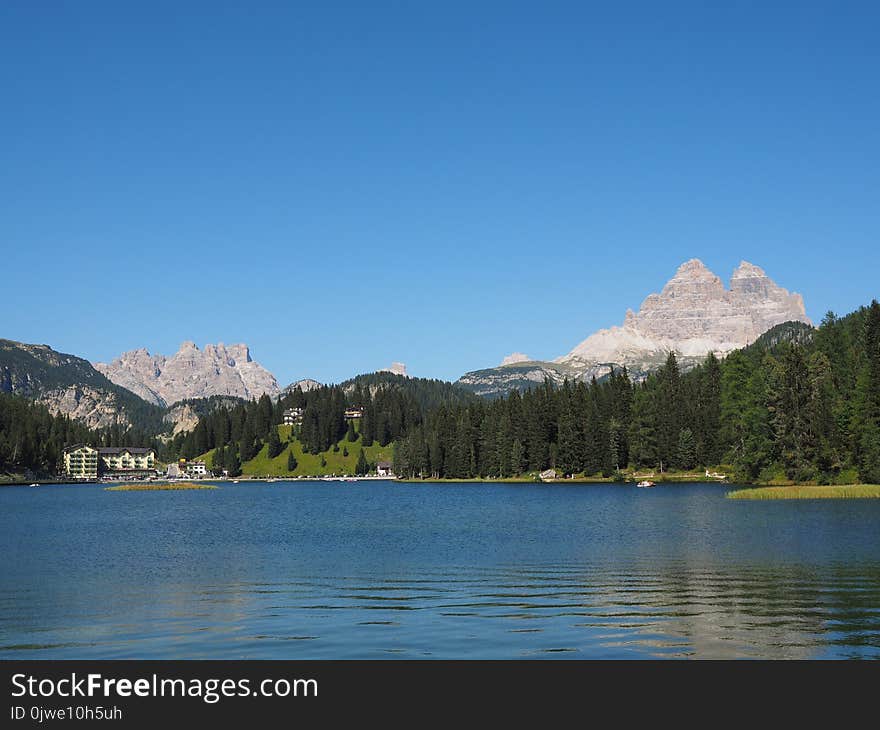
[(292, 416), (548, 475), (383, 469)]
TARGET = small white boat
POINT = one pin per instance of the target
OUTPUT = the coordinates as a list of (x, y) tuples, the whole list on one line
[(235, 481), (33, 485), (645, 483)]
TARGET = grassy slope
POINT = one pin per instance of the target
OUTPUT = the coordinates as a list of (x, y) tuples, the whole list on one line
[(309, 464), (853, 491)]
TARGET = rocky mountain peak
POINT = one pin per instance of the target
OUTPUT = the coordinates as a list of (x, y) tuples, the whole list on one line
[(693, 268), (191, 373), (692, 315), (747, 269), (398, 368), (240, 353)]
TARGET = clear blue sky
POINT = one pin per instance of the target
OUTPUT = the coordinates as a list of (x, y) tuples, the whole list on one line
[(343, 185)]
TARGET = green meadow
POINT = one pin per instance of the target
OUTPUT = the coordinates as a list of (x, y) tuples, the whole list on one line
[(336, 463)]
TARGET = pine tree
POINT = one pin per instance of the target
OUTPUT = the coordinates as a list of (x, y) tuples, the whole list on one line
[(615, 446), (517, 454), (291, 460), (362, 467), (642, 430), (265, 418), (246, 449), (273, 443), (669, 408), (790, 406), (233, 463), (867, 419), (217, 462), (686, 456), (569, 437), (708, 417)]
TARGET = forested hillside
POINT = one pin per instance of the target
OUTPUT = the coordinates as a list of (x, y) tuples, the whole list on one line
[(73, 386), (798, 404), (428, 393), (389, 413), (32, 439)]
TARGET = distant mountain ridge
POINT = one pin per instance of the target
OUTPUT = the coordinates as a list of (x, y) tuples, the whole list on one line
[(692, 316), (305, 385), (190, 373), (428, 393), (70, 385)]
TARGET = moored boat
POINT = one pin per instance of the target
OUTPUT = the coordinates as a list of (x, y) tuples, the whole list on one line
[(645, 483)]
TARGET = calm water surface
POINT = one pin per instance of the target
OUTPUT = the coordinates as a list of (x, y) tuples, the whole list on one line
[(380, 569)]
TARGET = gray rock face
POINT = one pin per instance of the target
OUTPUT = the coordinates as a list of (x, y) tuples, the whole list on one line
[(183, 417), (191, 373), (94, 407), (692, 316)]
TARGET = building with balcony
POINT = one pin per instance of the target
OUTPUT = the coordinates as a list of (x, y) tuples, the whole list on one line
[(88, 462), (126, 460), (81, 462)]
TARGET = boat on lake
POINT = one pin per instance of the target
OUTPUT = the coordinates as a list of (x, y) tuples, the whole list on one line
[(645, 483)]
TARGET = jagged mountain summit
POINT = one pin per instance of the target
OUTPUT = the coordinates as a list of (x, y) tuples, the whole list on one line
[(191, 373), (693, 315)]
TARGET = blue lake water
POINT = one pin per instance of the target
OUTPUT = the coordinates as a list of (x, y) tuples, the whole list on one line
[(295, 570)]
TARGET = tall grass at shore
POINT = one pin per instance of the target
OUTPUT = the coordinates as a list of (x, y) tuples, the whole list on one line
[(148, 487), (851, 491)]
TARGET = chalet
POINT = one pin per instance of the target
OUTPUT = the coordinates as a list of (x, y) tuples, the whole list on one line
[(351, 413), (292, 416), (383, 469), (548, 475)]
